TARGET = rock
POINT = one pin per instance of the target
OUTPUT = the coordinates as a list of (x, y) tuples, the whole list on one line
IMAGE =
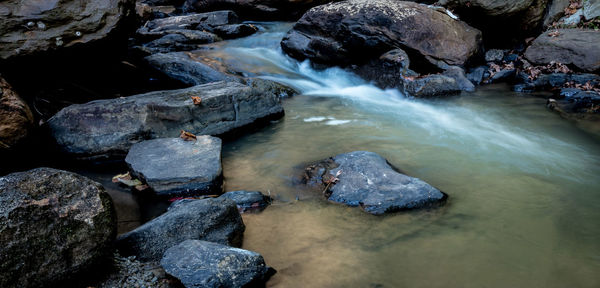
[(475, 75), (212, 219), (555, 11), (494, 55), (16, 120), (576, 47), (248, 200), (201, 21), (353, 31), (431, 85), (568, 92), (510, 58), (180, 40), (176, 167), (388, 70), (572, 20), (549, 81), (107, 128), (505, 20), (204, 264), (505, 75), (257, 9), (54, 226), (367, 180), (458, 74), (591, 9), (235, 30), (127, 271), (190, 68), (32, 27), (146, 12)]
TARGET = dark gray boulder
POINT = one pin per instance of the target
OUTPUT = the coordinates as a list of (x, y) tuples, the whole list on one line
[(179, 40), (574, 47), (190, 68), (32, 27), (201, 21), (54, 226), (204, 264), (494, 55), (248, 200), (553, 80), (176, 167), (354, 31), (289, 10), (108, 128), (235, 30), (388, 70), (367, 180), (458, 74), (213, 219), (476, 74)]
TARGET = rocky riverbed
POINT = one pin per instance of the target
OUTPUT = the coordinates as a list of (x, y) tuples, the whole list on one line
[(162, 94)]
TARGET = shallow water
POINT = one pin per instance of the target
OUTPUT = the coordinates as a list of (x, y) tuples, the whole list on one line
[(524, 202)]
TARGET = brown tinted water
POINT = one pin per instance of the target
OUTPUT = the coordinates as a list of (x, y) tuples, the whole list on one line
[(524, 202)]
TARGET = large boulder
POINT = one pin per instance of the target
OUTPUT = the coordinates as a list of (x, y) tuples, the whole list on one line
[(501, 20), (256, 9), (16, 120), (355, 31), (573, 47), (175, 167), (210, 265), (191, 68), (367, 180), (30, 27), (108, 128), (213, 219), (54, 225)]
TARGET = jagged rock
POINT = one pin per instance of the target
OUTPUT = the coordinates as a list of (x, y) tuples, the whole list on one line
[(475, 75), (32, 27), (354, 31), (180, 40), (494, 55), (576, 47), (367, 180), (16, 120), (204, 264), (107, 128), (54, 226), (213, 219), (175, 167)]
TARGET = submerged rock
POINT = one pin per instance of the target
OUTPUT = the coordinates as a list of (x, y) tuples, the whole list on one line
[(176, 167), (215, 220), (576, 47), (16, 119), (353, 31), (248, 200), (108, 128), (204, 264), (367, 180), (54, 225), (31, 27)]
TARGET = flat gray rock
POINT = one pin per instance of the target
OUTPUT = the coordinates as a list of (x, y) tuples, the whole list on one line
[(190, 68), (204, 264), (367, 180), (576, 47), (108, 128), (215, 220), (176, 167)]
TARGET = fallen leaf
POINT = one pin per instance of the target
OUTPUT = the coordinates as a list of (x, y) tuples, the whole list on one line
[(197, 100), (125, 176), (187, 136), (554, 33), (141, 187)]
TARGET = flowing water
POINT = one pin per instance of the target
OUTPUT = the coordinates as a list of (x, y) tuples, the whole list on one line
[(524, 206)]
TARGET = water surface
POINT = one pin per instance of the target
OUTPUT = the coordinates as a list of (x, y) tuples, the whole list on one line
[(524, 202)]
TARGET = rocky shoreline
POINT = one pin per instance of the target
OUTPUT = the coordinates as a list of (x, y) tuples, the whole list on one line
[(166, 125)]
